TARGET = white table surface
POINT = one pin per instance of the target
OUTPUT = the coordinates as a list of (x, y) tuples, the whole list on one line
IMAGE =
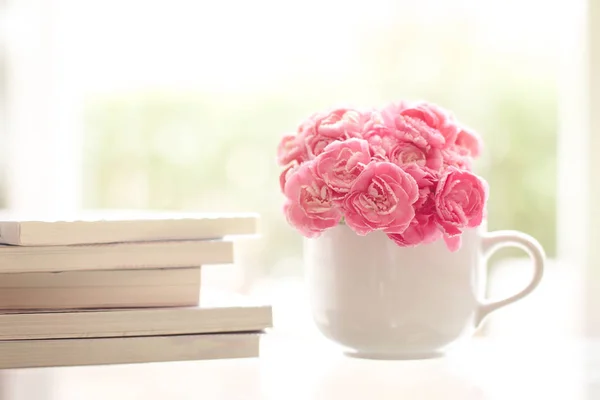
[(308, 367), (530, 357)]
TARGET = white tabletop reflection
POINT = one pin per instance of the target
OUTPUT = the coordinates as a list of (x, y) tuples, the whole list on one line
[(309, 367)]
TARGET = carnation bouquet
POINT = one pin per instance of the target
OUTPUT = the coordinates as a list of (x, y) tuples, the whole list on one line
[(404, 169)]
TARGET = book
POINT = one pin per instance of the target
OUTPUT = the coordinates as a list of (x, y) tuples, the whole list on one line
[(121, 226), (100, 289), (111, 256), (63, 324), (126, 350)]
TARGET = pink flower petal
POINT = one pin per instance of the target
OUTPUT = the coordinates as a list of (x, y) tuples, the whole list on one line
[(382, 198)]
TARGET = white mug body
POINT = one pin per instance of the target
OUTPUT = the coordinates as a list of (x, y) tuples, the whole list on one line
[(379, 300)]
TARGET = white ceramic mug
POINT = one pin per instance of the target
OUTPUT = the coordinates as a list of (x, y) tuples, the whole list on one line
[(379, 300)]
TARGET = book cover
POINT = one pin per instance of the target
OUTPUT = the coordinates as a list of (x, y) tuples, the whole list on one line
[(113, 256), (121, 226)]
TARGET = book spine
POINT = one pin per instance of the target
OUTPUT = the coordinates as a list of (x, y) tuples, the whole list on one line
[(80, 352), (100, 289)]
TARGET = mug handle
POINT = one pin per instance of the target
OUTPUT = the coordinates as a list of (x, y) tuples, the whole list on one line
[(493, 241)]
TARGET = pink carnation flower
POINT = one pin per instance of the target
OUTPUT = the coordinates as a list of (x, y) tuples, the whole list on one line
[(428, 121), (309, 206), (322, 129), (423, 125), (342, 122), (386, 146), (341, 163), (460, 199), (404, 169), (286, 173), (426, 180), (290, 149), (382, 198), (422, 229), (456, 157), (470, 142), (435, 159)]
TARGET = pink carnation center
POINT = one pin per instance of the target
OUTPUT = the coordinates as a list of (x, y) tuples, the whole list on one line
[(315, 199)]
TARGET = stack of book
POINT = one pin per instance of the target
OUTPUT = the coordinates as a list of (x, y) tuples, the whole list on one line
[(120, 289)]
